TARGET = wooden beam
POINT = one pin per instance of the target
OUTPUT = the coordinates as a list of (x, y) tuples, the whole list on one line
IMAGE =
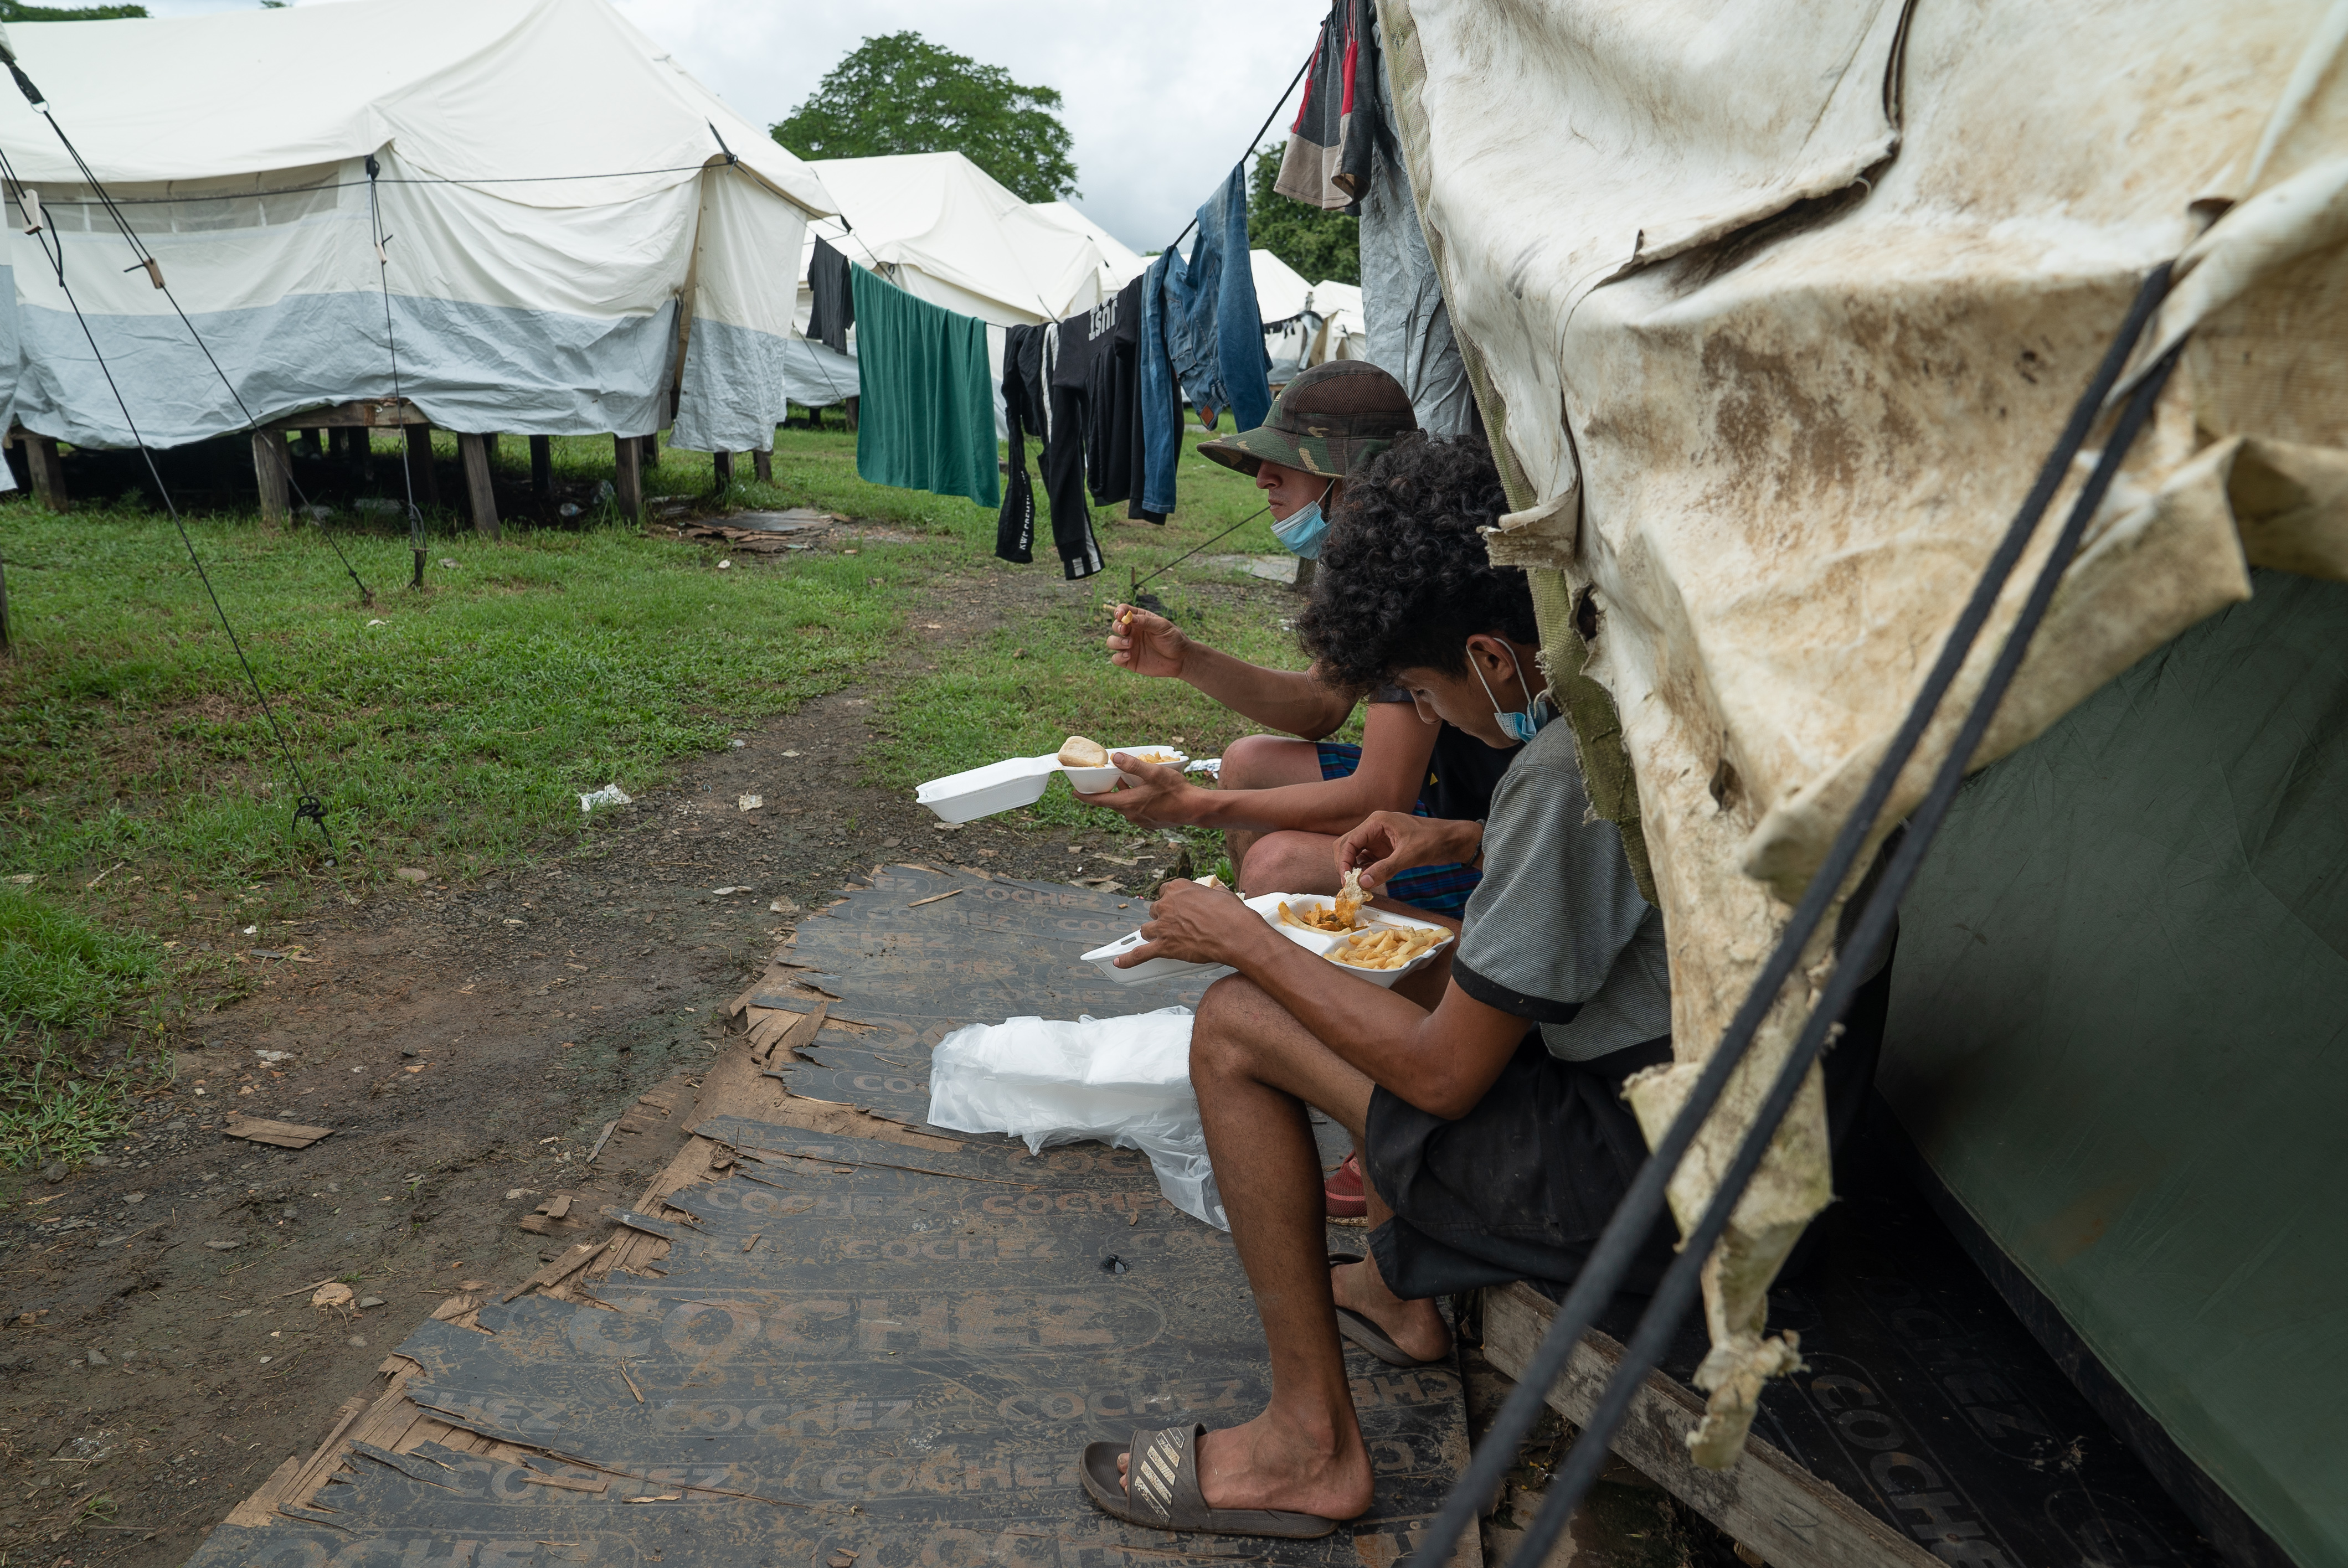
[(272, 469), (763, 465), (722, 465), (850, 404), (49, 471), (377, 412), (542, 466), (419, 465), (1771, 1504), (652, 450), (628, 476), (480, 498)]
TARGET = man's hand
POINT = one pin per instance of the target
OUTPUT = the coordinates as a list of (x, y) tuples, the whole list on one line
[(1151, 795), (1389, 843), (1197, 925), (1145, 643)]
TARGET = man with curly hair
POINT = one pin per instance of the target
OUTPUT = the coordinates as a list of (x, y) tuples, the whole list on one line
[(1282, 803), (1484, 1098)]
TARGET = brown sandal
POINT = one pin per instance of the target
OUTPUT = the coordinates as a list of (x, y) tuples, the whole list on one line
[(1163, 1465)]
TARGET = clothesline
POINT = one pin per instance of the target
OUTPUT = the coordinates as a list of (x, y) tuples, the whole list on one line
[(1258, 138)]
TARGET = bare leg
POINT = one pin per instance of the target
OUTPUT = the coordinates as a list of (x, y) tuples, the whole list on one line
[(1263, 762), (1255, 1068), (1288, 861)]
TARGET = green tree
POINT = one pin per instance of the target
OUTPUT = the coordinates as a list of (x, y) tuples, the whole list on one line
[(902, 93), (14, 11), (1323, 246)]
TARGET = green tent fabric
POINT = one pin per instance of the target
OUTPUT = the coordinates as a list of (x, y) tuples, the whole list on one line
[(925, 414), (2119, 1037)]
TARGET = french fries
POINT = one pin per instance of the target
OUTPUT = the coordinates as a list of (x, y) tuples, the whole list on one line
[(1389, 947)]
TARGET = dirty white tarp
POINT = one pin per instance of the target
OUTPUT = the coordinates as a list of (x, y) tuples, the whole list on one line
[(540, 244), (1772, 319)]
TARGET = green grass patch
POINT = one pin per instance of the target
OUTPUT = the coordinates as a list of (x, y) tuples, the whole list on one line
[(63, 982)]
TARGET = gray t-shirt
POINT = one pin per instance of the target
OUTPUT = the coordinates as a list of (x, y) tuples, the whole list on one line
[(1556, 933)]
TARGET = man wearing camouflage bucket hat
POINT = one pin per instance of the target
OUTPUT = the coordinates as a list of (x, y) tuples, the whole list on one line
[(1283, 802), (1325, 423)]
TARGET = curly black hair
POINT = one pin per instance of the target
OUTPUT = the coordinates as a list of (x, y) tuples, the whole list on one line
[(1403, 580)]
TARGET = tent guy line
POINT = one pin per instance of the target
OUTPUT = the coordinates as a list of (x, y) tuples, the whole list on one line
[(391, 346), (307, 806), (1610, 1259)]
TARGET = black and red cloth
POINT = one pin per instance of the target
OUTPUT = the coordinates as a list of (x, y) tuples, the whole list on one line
[(1328, 161)]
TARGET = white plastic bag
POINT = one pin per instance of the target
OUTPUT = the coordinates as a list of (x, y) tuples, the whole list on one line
[(1124, 1080)]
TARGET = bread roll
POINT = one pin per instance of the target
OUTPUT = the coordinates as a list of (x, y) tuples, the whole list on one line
[(1076, 751)]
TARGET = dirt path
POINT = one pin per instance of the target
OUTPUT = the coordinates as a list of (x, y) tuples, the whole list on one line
[(468, 1045)]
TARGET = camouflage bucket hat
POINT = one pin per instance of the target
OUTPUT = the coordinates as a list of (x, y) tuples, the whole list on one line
[(1330, 420)]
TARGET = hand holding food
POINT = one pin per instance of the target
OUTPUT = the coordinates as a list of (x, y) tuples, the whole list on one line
[(1145, 643), (1151, 795), (1196, 925), (1387, 844)]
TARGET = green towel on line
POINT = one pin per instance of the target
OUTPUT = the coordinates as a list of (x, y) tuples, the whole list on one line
[(925, 412)]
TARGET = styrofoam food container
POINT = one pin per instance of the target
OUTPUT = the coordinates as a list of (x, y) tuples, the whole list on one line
[(1092, 780), (1152, 971), (1268, 906), (983, 791), (1327, 942)]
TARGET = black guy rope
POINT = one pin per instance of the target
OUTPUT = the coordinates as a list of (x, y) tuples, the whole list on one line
[(1644, 1202), (1266, 126), (415, 541), (307, 806)]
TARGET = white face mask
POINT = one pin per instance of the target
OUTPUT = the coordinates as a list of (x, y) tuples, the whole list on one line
[(1517, 727)]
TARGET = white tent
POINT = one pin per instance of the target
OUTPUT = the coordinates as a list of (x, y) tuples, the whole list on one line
[(1121, 263), (1770, 349), (1281, 294), (942, 228), (553, 190)]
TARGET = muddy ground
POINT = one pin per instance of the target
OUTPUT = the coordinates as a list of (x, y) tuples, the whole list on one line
[(466, 1043), (469, 1043)]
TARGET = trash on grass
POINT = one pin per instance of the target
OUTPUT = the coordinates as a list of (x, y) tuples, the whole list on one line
[(410, 874), (727, 892), (610, 795), (751, 802), (332, 1295), (782, 907)]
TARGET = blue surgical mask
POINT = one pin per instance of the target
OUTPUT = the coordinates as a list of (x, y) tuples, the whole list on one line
[(1517, 727), (1302, 530)]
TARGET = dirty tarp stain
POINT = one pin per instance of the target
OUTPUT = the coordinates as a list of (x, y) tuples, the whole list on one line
[(909, 1361)]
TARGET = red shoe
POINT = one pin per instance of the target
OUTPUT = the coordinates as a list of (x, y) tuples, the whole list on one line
[(1342, 1193)]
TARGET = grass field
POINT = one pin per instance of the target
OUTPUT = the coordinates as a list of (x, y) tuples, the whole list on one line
[(458, 724)]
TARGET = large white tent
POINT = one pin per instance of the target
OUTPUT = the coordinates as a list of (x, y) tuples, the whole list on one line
[(553, 191), (945, 230), (1120, 263)]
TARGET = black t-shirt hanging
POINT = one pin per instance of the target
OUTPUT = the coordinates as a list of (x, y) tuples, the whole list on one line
[(833, 309), (1100, 359)]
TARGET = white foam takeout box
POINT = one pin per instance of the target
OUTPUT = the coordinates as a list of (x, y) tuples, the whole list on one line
[(1322, 942), (1019, 781)]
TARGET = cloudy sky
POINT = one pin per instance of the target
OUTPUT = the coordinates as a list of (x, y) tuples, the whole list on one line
[(1159, 97)]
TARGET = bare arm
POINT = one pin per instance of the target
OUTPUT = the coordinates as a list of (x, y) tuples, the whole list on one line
[(1441, 1061), (1290, 701), (1395, 748)]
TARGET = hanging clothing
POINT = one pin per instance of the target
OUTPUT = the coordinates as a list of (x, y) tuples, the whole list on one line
[(1328, 162), (1408, 326), (1033, 401), (1160, 410), (1100, 361), (926, 414), (1214, 333), (834, 308)]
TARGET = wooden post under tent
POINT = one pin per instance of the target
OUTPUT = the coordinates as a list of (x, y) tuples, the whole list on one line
[(550, 267)]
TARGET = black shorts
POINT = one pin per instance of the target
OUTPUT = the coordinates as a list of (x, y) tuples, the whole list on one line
[(1520, 1187)]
